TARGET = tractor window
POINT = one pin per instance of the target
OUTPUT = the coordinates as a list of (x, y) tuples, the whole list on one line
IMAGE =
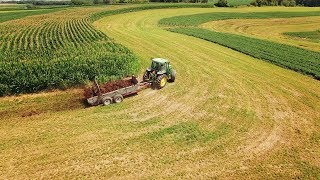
[(154, 65), (161, 67)]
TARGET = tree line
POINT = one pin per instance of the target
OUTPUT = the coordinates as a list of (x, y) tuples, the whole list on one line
[(220, 3), (83, 2), (286, 3)]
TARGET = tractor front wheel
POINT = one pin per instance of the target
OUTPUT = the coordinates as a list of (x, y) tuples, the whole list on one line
[(161, 81)]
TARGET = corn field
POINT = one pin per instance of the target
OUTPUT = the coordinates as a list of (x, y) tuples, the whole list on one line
[(58, 50)]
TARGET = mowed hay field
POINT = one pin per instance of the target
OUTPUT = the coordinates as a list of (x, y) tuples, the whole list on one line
[(228, 115), (275, 30)]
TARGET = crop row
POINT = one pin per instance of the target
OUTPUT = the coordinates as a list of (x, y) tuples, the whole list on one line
[(297, 59), (35, 75), (51, 35)]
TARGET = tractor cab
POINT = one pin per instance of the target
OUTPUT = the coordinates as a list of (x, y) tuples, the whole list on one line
[(159, 72), (159, 65)]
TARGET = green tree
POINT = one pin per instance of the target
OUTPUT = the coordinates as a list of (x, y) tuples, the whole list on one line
[(222, 3), (288, 3), (82, 2)]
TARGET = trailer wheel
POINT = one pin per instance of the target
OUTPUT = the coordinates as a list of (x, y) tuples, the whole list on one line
[(107, 101), (118, 98)]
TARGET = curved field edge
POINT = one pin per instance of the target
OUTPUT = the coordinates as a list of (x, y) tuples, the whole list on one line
[(274, 31), (313, 36), (294, 58)]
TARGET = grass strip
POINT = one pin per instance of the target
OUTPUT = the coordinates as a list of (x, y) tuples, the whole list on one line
[(197, 19), (313, 36), (298, 59)]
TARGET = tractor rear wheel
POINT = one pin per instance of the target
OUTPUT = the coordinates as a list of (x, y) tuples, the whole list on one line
[(173, 76), (118, 98), (161, 81)]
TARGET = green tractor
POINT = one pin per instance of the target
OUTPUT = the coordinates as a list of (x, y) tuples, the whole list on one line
[(160, 73)]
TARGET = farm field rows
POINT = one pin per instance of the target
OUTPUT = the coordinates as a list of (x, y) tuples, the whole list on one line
[(228, 115), (276, 30), (294, 58), (297, 59), (62, 45)]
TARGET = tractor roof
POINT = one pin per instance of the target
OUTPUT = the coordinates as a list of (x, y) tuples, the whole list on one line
[(160, 60)]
